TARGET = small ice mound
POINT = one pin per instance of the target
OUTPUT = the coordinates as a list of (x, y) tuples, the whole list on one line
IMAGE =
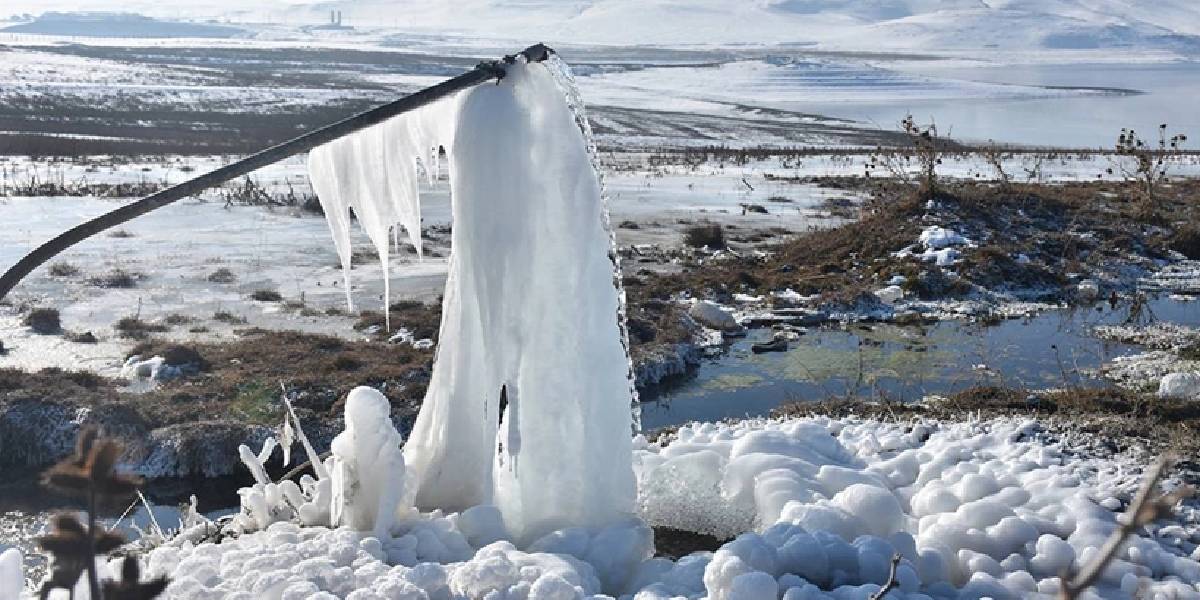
[(368, 466), (890, 294), (152, 369), (500, 570), (710, 314), (1088, 288), (935, 237), (944, 257), (1184, 385)]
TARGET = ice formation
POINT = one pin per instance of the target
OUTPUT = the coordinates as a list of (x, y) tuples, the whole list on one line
[(368, 468), (375, 173), (531, 388), (1180, 385), (816, 508), (11, 577)]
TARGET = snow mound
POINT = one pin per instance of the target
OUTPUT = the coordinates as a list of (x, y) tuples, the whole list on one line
[(1180, 385), (816, 508), (935, 237)]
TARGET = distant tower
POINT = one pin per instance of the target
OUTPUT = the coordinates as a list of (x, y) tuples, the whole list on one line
[(339, 18)]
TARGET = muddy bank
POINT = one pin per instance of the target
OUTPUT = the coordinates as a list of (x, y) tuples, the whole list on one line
[(976, 244)]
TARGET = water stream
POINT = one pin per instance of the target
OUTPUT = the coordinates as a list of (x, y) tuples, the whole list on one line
[(1052, 349)]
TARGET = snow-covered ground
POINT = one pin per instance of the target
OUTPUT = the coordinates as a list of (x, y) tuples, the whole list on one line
[(817, 507)]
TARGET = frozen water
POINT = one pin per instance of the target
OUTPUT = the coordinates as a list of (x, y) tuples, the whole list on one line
[(816, 508), (368, 474), (11, 578), (531, 388), (1180, 385)]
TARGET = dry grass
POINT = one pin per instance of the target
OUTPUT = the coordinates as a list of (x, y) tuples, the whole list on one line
[(44, 321), (704, 235)]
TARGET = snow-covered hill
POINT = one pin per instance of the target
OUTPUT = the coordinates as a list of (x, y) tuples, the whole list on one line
[(1172, 25), (846, 24)]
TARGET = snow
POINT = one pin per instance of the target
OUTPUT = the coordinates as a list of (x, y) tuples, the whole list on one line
[(935, 237), (1180, 385), (816, 507), (710, 314)]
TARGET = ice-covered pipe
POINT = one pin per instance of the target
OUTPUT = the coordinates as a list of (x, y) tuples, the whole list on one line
[(485, 71)]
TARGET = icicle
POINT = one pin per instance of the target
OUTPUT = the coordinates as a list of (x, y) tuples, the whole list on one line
[(570, 90), (374, 173)]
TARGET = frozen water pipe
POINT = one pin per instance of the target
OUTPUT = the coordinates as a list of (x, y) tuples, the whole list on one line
[(483, 72)]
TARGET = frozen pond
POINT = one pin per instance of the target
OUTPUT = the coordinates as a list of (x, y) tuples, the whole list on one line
[(902, 362), (1077, 120), (1076, 105)]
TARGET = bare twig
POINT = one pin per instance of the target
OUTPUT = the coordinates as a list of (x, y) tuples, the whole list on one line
[(891, 580), (1147, 507)]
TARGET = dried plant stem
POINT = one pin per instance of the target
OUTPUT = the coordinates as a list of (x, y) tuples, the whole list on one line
[(1146, 507), (891, 580), (93, 579)]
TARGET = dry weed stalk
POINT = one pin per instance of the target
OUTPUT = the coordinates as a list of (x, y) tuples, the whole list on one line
[(90, 473), (1147, 506), (891, 582)]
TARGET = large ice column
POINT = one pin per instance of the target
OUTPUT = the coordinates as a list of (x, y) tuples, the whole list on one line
[(12, 581), (531, 307)]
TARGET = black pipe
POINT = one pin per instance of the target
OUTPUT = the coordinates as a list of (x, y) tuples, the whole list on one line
[(485, 71)]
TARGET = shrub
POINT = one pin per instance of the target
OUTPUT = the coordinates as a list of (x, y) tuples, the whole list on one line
[(228, 317), (266, 296), (1149, 165), (44, 321), (63, 269), (135, 328), (222, 275), (1186, 241), (707, 234), (117, 279)]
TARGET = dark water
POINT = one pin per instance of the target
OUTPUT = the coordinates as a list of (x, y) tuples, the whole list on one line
[(904, 362)]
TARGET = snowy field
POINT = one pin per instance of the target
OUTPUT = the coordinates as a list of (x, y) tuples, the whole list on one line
[(542, 494)]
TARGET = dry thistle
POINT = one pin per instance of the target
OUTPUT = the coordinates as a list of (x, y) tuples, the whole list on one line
[(90, 473), (129, 588), (72, 547), (90, 470)]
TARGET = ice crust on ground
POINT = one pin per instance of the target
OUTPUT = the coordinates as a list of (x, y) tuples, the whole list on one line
[(816, 508), (532, 386)]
